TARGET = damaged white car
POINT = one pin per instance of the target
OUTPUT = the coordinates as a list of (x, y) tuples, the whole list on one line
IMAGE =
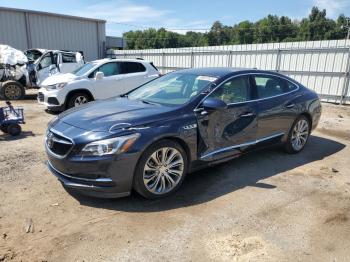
[(20, 71)]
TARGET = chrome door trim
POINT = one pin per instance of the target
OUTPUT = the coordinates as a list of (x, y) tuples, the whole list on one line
[(241, 145), (253, 100)]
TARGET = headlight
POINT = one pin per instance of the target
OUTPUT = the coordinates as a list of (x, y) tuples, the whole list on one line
[(111, 146), (55, 87)]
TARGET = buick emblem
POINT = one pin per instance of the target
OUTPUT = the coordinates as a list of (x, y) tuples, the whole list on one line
[(49, 140)]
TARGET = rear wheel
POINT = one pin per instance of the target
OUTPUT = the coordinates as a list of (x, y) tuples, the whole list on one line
[(12, 90), (298, 135), (78, 99), (14, 129), (161, 169)]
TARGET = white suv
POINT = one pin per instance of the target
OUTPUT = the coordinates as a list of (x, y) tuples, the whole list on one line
[(95, 80)]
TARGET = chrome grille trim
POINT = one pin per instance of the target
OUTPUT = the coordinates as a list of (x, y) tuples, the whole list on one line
[(57, 140)]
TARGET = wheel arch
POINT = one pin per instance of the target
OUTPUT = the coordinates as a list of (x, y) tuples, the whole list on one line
[(176, 139), (309, 118), (80, 90)]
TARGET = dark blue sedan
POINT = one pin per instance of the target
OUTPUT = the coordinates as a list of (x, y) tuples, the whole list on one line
[(150, 138)]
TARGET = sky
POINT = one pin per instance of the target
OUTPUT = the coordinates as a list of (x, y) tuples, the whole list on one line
[(178, 15)]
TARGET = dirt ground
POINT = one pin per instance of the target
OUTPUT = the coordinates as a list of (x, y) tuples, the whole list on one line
[(264, 206)]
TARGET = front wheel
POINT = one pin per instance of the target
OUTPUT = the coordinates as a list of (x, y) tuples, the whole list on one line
[(161, 169), (12, 90), (78, 99), (298, 135)]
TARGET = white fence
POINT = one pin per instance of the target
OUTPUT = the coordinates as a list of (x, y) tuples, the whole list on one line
[(323, 66)]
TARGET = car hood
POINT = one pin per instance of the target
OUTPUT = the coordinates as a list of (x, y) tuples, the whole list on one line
[(59, 78), (115, 114)]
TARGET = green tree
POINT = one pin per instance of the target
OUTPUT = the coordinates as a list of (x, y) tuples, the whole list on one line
[(271, 28)]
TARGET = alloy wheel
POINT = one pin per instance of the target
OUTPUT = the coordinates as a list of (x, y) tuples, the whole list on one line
[(163, 170), (79, 100), (300, 134), (12, 92)]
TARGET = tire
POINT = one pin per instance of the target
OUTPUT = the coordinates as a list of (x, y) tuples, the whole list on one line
[(74, 99), (3, 128), (300, 131), (12, 90), (14, 129), (161, 181)]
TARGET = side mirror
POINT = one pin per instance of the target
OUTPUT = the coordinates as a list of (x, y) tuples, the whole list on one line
[(213, 104), (99, 75)]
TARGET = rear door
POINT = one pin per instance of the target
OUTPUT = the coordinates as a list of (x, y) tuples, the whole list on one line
[(135, 74), (276, 109), (227, 132)]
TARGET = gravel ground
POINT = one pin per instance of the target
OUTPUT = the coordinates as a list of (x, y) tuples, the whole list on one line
[(264, 206)]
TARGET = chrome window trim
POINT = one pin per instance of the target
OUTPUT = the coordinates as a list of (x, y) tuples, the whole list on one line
[(60, 134), (253, 100), (241, 145)]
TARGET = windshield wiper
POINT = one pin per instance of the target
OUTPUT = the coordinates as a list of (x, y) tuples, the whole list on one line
[(148, 102)]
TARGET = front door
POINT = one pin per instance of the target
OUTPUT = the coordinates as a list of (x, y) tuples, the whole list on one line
[(46, 67), (227, 132), (111, 84)]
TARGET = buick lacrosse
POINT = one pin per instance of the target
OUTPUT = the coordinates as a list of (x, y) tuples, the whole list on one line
[(151, 137)]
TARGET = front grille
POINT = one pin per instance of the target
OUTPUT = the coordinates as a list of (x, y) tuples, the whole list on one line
[(41, 97), (57, 144)]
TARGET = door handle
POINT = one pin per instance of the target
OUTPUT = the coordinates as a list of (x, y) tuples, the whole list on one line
[(290, 105), (247, 115)]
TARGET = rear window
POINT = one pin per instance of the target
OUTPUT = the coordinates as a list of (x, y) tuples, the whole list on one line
[(132, 67), (269, 86), (68, 58)]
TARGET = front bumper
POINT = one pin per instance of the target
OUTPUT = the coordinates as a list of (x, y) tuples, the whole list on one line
[(52, 100), (105, 177), (100, 187)]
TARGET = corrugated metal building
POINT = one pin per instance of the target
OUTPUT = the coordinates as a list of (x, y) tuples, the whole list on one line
[(25, 29)]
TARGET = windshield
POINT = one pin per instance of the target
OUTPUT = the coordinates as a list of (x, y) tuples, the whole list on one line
[(172, 89), (32, 55), (83, 69)]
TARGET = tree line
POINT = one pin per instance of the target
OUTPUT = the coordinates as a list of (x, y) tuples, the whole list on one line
[(271, 28)]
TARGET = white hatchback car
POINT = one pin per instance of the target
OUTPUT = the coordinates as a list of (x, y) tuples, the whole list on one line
[(95, 80)]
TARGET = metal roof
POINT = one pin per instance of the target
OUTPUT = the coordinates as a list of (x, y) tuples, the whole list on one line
[(51, 14)]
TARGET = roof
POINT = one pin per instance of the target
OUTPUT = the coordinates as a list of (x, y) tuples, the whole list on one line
[(99, 61), (213, 71), (51, 14)]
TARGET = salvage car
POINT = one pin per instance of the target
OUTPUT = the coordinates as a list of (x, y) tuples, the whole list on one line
[(150, 138), (95, 80), (53, 62), (20, 71)]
